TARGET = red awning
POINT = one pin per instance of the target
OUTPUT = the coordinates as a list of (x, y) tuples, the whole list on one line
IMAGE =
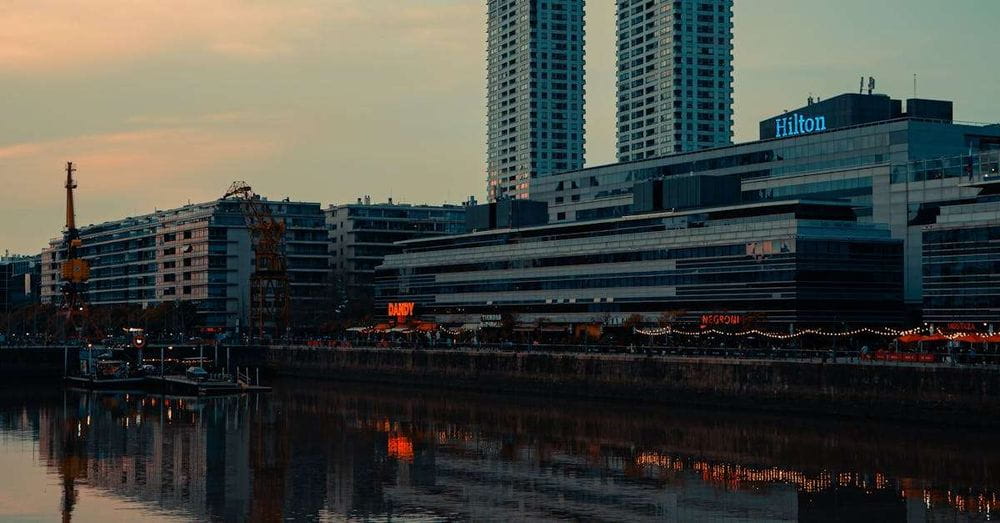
[(977, 338), (913, 338)]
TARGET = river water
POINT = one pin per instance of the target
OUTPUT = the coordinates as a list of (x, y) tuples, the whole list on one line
[(330, 451)]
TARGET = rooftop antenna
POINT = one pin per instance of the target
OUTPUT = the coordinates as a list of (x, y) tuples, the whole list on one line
[(861, 88), (871, 84), (914, 85)]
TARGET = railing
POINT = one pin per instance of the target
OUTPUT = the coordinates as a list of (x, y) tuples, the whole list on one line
[(832, 355), (986, 355)]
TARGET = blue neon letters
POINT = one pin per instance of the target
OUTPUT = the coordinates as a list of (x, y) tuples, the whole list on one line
[(798, 124)]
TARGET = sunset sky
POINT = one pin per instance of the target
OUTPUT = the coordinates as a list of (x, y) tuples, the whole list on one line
[(164, 102)]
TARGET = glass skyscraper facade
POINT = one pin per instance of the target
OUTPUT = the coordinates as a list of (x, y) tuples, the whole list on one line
[(792, 262), (675, 76), (961, 263), (897, 170), (535, 89)]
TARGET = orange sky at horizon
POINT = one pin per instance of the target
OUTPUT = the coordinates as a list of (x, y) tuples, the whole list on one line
[(163, 103)]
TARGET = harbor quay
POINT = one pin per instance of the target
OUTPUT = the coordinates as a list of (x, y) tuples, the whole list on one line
[(815, 383)]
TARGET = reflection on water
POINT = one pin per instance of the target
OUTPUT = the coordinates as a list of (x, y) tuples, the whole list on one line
[(325, 451)]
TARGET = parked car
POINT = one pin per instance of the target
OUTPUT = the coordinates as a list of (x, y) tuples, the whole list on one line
[(197, 373)]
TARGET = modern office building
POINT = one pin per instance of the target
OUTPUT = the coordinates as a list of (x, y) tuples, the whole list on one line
[(200, 253), (535, 89), (961, 261), (790, 263), (19, 280), (895, 166), (675, 76), (363, 233)]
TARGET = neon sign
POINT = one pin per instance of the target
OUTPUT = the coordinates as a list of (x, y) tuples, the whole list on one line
[(797, 124), (401, 310), (721, 319)]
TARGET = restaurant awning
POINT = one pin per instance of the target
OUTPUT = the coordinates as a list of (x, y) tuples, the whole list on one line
[(914, 338)]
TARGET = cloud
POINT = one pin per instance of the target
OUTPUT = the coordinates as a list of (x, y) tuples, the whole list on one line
[(68, 35), (50, 35), (123, 158), (121, 173)]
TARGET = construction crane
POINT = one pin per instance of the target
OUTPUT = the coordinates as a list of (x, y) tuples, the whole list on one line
[(269, 288), (74, 271)]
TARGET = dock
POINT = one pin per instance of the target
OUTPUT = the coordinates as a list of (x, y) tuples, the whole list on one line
[(179, 385), (91, 383), (186, 386)]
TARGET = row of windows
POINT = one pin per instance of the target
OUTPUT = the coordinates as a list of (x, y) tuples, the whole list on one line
[(749, 279), (830, 189), (985, 269), (888, 254), (949, 238), (405, 213), (871, 311)]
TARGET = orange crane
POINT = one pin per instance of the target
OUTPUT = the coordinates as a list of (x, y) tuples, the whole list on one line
[(269, 287), (74, 271)]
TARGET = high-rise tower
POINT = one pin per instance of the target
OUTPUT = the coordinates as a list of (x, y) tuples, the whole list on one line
[(535, 89), (675, 76)]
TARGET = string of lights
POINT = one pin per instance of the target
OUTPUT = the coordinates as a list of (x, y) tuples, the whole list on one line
[(886, 331)]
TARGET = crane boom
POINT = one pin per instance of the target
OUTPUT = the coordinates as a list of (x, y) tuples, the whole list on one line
[(75, 271), (70, 210), (269, 286)]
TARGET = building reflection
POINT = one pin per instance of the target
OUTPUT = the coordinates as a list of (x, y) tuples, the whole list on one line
[(324, 451)]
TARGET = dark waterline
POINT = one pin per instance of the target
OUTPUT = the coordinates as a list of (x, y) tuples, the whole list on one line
[(326, 451)]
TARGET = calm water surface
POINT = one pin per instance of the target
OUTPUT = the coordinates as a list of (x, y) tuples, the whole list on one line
[(328, 451)]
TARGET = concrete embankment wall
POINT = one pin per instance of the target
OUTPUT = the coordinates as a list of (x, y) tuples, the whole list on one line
[(964, 395), (33, 362)]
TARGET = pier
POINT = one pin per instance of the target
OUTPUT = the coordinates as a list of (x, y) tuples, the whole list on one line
[(924, 393)]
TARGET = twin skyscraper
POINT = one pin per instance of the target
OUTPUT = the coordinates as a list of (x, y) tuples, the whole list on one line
[(675, 84)]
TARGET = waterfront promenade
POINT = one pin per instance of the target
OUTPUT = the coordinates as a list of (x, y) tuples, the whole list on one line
[(823, 383)]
